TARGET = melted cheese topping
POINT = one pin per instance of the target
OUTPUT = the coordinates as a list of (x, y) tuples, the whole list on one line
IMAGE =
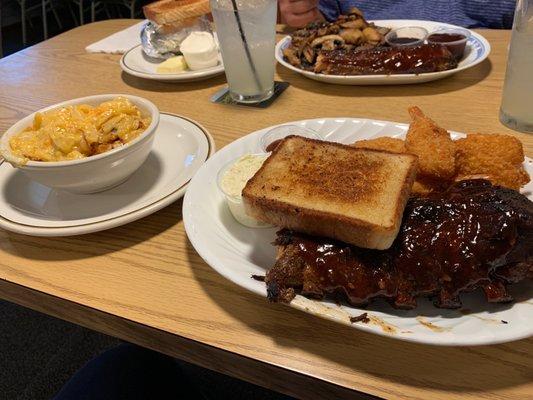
[(80, 131)]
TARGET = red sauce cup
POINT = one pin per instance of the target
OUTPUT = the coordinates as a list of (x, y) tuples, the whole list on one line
[(454, 39)]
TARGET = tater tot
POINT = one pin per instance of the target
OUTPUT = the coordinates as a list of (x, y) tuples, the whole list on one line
[(499, 158)]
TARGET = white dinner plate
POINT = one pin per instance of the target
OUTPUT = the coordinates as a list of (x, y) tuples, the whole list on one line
[(135, 63), (238, 252), (180, 148), (477, 49)]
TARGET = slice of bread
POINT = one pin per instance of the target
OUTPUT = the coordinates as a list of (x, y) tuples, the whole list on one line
[(176, 12), (328, 189)]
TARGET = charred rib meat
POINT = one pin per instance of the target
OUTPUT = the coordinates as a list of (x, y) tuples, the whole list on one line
[(475, 235)]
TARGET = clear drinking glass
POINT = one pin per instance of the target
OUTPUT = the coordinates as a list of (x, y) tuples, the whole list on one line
[(246, 31), (516, 111)]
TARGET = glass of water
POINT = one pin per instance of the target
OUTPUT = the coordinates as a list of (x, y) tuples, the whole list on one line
[(517, 98), (246, 31)]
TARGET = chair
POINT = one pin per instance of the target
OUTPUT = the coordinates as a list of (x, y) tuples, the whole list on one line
[(45, 6), (129, 4), (83, 6), (81, 10)]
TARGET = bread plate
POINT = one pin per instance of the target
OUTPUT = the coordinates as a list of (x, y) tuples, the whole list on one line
[(180, 147), (477, 50), (135, 63), (237, 253)]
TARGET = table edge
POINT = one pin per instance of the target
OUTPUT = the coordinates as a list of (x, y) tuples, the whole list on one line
[(207, 356)]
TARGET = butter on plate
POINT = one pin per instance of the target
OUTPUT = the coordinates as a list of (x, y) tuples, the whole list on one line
[(173, 65)]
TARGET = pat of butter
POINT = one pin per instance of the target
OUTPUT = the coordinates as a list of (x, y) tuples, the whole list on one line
[(173, 65)]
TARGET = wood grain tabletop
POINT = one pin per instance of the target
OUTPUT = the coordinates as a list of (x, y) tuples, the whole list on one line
[(145, 283)]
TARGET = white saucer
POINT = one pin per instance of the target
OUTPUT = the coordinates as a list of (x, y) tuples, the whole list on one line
[(135, 63), (180, 148)]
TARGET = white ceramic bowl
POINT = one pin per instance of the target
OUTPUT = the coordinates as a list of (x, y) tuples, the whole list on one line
[(91, 174)]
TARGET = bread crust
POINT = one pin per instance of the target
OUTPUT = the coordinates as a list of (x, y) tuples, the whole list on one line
[(175, 13), (326, 223)]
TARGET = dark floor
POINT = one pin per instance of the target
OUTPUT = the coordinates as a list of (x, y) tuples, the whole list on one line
[(38, 354)]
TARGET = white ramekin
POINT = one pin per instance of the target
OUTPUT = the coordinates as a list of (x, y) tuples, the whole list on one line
[(235, 203)]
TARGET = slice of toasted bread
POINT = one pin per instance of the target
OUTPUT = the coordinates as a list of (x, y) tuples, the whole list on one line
[(174, 12), (329, 189)]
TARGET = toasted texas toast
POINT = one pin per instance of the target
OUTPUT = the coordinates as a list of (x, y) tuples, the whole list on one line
[(329, 189), (174, 12)]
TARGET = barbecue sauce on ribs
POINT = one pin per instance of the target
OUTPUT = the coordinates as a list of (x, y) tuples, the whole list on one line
[(386, 60), (474, 235)]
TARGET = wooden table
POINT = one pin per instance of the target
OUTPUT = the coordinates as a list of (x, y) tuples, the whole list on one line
[(144, 282)]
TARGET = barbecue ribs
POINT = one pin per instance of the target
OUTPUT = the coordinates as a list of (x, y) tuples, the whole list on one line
[(475, 235), (386, 60)]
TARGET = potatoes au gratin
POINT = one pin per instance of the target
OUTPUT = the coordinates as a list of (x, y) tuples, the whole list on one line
[(79, 131)]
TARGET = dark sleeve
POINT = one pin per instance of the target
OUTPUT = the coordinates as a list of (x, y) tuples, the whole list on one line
[(330, 9), (497, 14)]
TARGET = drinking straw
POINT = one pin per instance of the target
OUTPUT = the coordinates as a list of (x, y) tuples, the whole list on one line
[(245, 42)]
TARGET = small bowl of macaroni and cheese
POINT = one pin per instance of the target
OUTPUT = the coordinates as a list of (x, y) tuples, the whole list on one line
[(84, 145)]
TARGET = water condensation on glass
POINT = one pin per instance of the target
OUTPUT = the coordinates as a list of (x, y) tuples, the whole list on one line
[(523, 15), (247, 46), (159, 44), (517, 95)]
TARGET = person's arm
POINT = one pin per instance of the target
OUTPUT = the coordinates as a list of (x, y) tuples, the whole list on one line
[(331, 9), (491, 14), (298, 13)]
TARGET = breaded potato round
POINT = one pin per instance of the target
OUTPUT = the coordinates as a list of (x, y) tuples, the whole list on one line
[(393, 145), (499, 158)]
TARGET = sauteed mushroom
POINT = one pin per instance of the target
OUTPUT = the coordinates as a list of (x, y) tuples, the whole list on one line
[(309, 54), (372, 35), (322, 31), (349, 32), (333, 29), (354, 24), (352, 36), (290, 55), (328, 42)]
